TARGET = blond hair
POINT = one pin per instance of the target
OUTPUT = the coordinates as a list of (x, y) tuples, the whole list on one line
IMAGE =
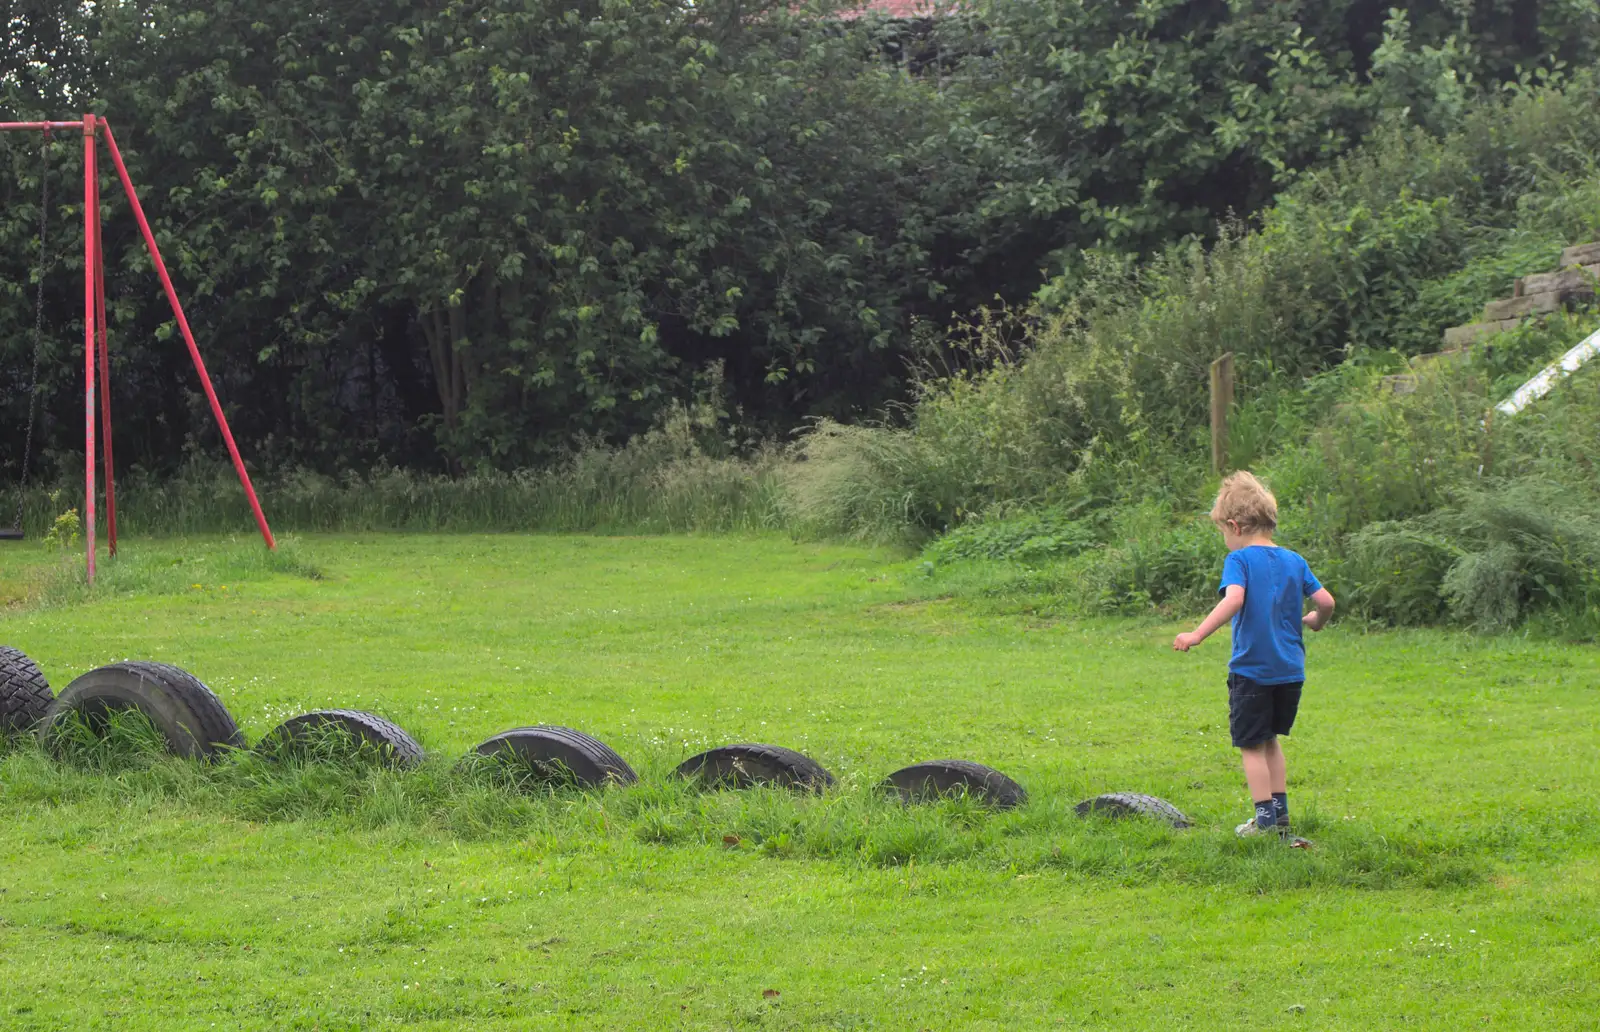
[(1246, 501)]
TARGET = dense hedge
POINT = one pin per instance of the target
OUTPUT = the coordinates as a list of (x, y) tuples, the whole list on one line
[(481, 228), (1166, 116), (446, 236)]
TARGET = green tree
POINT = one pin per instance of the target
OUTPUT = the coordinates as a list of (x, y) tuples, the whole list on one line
[(1167, 115), (488, 226)]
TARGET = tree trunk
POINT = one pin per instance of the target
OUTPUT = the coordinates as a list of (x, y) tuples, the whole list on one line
[(446, 362)]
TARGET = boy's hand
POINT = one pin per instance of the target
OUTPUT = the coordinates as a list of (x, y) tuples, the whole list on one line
[(1318, 618), (1186, 641)]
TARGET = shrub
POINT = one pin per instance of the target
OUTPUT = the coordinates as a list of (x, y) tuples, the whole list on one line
[(1396, 573), (867, 483), (1413, 506), (1538, 546), (1155, 558), (1506, 550), (1027, 537), (1352, 268)]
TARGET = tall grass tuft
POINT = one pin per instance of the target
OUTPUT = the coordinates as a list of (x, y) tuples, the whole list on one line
[(138, 571), (664, 481), (865, 483), (1508, 549)]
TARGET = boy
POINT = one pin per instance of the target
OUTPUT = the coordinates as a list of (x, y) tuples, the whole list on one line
[(1263, 592)]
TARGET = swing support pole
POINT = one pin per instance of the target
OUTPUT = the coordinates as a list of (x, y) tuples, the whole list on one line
[(91, 337), (105, 370), (96, 349), (188, 338)]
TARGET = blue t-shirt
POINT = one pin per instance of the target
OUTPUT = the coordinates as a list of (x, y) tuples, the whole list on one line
[(1267, 645)]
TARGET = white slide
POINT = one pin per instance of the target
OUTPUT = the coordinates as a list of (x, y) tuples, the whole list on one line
[(1542, 384)]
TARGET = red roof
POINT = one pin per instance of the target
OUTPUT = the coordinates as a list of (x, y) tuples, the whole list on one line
[(893, 9)]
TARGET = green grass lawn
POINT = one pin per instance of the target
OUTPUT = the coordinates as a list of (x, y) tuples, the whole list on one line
[(1449, 782)]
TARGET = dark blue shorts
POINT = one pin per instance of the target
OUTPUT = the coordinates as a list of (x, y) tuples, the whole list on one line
[(1258, 712)]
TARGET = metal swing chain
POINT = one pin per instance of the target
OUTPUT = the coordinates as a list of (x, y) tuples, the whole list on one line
[(38, 323)]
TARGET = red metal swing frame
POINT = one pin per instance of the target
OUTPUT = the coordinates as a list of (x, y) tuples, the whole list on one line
[(95, 355)]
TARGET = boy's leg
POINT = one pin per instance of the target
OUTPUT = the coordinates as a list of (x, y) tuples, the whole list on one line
[(1250, 726), (1279, 777), (1285, 706), (1258, 768), (1258, 776), (1276, 771)]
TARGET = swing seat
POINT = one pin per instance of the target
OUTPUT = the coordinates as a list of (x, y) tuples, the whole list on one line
[(10, 534)]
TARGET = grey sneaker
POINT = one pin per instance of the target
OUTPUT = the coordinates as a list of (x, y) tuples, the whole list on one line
[(1250, 829)]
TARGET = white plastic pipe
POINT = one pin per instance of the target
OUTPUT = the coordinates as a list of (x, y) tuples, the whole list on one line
[(1542, 384)]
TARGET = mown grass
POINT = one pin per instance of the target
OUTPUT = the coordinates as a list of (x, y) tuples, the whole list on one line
[(1447, 778)]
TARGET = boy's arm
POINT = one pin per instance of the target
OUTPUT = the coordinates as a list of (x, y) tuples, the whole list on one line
[(1227, 609), (1319, 616)]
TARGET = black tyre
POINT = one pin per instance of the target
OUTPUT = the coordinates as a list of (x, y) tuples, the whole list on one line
[(742, 766), (1133, 804), (187, 713), (558, 754), (923, 781), (347, 734), (24, 693)]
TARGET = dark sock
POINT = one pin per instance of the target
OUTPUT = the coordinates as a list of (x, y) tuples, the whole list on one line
[(1280, 805), (1266, 814)]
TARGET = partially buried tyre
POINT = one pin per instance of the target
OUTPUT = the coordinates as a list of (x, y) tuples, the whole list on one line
[(922, 782), (341, 735), (24, 693), (1134, 804), (750, 764), (188, 715), (557, 755)]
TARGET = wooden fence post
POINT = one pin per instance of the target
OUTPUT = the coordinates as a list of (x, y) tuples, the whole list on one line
[(1221, 401), (1486, 467)]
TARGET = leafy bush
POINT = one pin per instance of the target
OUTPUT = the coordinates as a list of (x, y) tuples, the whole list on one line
[(1158, 119), (1396, 573), (1413, 504), (462, 236), (1155, 558), (1507, 550), (1028, 537)]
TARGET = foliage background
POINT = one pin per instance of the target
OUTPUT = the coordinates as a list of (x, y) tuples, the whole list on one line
[(588, 263), (473, 234)]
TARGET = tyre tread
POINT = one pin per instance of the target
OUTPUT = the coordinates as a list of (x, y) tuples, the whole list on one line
[(25, 695), (791, 769), (211, 727), (947, 776), (606, 765), (1134, 804), (400, 748)]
